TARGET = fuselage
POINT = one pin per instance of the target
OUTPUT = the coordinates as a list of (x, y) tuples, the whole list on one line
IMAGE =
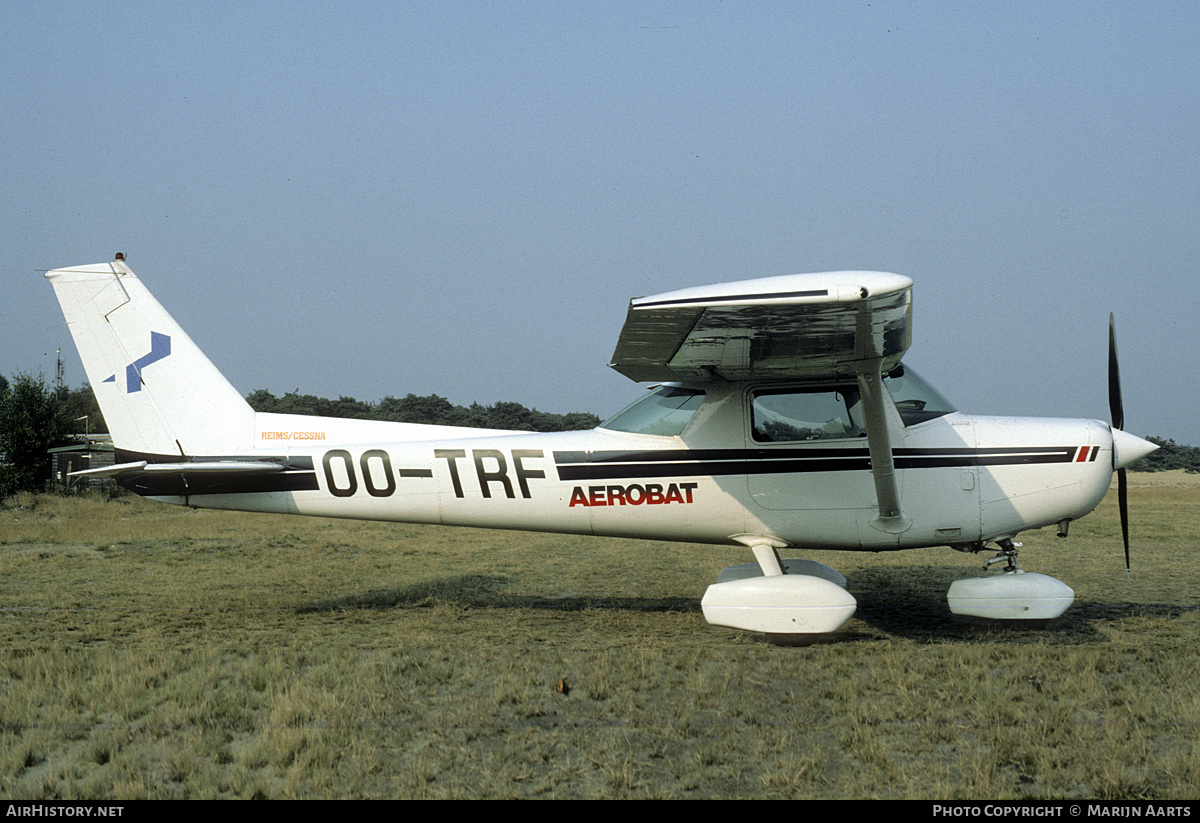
[(729, 463)]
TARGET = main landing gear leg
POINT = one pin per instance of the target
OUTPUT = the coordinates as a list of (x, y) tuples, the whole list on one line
[(767, 556)]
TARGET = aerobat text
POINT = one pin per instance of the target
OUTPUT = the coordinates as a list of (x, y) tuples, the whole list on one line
[(635, 494)]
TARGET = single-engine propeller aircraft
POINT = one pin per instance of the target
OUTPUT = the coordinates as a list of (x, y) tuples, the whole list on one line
[(783, 418)]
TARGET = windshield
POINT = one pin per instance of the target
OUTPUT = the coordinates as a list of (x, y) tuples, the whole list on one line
[(665, 411), (916, 400)]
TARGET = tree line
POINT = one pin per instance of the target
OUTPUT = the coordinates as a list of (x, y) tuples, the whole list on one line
[(1170, 455), (34, 418), (431, 409)]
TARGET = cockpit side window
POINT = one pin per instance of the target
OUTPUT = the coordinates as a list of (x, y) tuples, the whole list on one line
[(916, 400), (821, 413), (665, 411)]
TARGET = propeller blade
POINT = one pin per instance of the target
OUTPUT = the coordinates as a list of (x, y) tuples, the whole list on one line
[(1116, 409), (1123, 505)]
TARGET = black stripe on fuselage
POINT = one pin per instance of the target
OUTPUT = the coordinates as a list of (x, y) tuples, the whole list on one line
[(614, 465), (298, 474)]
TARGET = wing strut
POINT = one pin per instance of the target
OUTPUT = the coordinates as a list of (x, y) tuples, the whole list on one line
[(868, 370)]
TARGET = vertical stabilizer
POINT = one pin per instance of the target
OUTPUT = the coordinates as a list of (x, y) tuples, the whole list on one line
[(160, 395)]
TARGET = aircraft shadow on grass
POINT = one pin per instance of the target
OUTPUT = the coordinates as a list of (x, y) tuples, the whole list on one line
[(487, 592), (900, 607)]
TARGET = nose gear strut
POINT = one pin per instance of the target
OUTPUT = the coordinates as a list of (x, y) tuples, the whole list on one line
[(1007, 555)]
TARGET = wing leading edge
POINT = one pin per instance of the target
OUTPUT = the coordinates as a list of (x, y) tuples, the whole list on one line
[(795, 326)]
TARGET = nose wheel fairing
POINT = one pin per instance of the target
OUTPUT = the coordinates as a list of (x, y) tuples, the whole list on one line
[(1016, 595), (1012, 595)]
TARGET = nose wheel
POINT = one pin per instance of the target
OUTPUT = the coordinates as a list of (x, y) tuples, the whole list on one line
[(1014, 595)]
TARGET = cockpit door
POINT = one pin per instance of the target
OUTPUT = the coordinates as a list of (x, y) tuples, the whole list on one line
[(810, 448)]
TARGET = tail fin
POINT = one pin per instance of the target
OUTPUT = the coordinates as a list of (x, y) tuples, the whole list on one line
[(160, 395)]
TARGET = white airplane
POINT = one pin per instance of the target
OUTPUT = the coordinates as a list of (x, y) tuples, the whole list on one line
[(783, 418)]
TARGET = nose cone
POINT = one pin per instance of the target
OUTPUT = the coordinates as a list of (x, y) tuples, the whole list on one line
[(1129, 448)]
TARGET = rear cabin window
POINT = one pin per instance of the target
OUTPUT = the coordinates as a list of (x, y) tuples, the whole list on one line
[(665, 411)]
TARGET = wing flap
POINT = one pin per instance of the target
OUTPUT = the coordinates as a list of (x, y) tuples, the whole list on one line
[(810, 326)]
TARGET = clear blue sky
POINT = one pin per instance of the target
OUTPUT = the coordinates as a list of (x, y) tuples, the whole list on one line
[(367, 199)]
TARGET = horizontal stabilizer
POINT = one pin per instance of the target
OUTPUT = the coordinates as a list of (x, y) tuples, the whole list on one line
[(118, 470), (207, 467)]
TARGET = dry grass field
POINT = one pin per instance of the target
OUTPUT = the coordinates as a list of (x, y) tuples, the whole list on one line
[(152, 651)]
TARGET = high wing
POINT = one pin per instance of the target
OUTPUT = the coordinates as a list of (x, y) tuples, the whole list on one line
[(814, 326), (795, 326)]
